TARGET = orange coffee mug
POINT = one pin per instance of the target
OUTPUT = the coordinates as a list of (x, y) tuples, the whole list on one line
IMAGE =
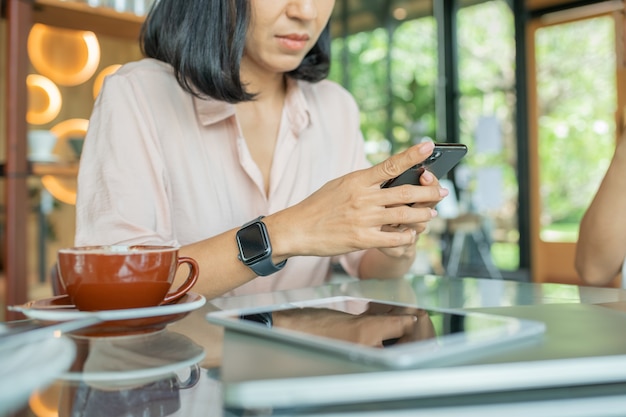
[(120, 277)]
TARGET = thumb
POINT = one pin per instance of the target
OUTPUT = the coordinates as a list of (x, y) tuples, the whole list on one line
[(400, 162)]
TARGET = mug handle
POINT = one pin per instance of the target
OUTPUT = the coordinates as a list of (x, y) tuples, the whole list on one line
[(190, 281), (194, 377)]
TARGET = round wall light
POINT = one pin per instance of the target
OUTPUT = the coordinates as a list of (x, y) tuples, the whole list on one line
[(44, 100), (63, 188), (65, 130), (97, 84), (68, 57)]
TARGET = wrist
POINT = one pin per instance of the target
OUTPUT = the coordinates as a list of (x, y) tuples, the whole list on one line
[(282, 235)]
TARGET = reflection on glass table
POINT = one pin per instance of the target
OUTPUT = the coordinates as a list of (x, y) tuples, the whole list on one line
[(136, 375), (32, 355)]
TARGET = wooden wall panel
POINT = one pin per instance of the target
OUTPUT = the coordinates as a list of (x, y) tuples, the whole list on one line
[(3, 82)]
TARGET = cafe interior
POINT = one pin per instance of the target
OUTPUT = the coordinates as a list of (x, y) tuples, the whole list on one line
[(512, 327)]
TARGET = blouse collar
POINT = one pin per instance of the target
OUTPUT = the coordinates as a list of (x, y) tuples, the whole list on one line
[(211, 111)]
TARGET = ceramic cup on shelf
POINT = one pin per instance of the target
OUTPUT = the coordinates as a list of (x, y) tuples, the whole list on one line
[(76, 143), (41, 145), (121, 277), (142, 7)]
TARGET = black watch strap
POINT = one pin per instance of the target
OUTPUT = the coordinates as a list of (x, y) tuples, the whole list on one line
[(266, 267)]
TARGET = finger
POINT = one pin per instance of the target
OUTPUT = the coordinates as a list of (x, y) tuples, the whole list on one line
[(413, 222), (406, 215), (412, 194), (392, 327), (417, 227), (403, 251), (398, 163), (384, 240), (394, 227), (427, 178)]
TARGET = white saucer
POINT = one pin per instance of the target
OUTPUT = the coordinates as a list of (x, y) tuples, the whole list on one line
[(51, 309), (29, 367), (112, 322), (117, 362)]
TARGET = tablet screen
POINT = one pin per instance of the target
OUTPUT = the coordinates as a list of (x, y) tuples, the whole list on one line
[(392, 334), (374, 323)]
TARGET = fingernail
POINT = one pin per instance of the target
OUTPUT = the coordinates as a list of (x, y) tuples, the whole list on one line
[(443, 192), (426, 148), (428, 176), (434, 213)]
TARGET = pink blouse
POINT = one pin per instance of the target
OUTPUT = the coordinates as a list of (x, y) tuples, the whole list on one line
[(160, 166)]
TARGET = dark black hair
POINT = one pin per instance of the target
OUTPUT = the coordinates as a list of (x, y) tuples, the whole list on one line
[(204, 41)]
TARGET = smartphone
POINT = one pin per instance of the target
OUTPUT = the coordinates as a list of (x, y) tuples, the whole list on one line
[(445, 156)]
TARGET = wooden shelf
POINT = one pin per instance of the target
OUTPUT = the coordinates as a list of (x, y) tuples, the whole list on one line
[(39, 169), (60, 169), (80, 16)]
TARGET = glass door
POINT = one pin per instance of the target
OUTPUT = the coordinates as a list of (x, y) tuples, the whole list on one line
[(575, 113)]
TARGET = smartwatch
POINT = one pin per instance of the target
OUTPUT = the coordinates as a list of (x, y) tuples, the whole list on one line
[(255, 249)]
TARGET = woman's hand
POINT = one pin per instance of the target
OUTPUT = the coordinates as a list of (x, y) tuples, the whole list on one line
[(353, 212), (369, 328), (408, 250)]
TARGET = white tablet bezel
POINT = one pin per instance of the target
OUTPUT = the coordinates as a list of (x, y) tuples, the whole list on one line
[(450, 349)]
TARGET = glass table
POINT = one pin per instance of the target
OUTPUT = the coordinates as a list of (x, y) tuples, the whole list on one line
[(188, 367)]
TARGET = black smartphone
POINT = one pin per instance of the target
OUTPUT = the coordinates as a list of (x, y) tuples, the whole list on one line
[(445, 156)]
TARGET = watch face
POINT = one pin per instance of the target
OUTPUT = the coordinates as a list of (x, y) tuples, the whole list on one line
[(253, 242)]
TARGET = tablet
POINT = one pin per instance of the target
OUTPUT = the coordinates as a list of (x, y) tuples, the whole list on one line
[(382, 334)]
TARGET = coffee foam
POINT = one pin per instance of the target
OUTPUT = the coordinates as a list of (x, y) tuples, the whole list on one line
[(117, 249)]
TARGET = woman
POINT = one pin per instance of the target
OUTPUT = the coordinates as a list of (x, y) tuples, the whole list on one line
[(229, 118)]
